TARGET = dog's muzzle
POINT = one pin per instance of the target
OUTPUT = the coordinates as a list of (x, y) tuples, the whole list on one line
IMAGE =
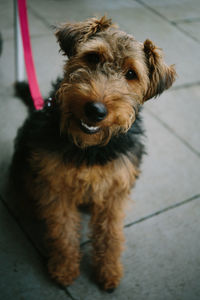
[(94, 112)]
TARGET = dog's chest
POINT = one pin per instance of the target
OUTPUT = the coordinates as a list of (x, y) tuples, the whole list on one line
[(98, 182), (85, 182)]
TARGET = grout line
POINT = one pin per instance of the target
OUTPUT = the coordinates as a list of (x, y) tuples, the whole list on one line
[(39, 17), (166, 126), (187, 20), (126, 226), (85, 243), (154, 11), (185, 32), (33, 36), (185, 85), (172, 23), (154, 214), (69, 294), (163, 210), (41, 256), (20, 226)]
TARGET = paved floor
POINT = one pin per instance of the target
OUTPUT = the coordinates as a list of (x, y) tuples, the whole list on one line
[(162, 256)]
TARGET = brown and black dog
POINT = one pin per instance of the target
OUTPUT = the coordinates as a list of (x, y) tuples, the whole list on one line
[(85, 146)]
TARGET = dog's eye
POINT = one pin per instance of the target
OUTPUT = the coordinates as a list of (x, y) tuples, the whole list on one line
[(130, 75), (93, 58)]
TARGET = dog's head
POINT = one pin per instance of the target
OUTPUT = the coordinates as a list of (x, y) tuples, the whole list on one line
[(107, 77)]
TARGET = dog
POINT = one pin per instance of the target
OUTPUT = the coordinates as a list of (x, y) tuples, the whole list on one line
[(85, 146)]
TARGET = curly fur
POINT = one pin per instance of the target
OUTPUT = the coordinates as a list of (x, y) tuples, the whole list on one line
[(58, 165)]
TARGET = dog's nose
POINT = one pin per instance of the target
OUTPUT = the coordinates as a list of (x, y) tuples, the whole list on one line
[(95, 111)]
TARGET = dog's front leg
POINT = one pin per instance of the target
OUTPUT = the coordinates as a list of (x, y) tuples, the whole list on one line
[(62, 237), (108, 238)]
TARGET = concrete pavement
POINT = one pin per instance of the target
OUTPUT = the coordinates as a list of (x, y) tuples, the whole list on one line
[(162, 228)]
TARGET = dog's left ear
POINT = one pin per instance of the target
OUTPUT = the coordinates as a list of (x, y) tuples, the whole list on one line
[(161, 76), (69, 35)]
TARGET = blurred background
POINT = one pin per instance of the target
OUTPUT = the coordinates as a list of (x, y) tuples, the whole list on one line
[(162, 227)]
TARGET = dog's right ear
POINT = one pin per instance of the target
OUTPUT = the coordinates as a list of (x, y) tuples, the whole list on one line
[(69, 35)]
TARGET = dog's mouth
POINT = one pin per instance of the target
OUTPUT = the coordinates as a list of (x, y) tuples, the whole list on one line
[(86, 128)]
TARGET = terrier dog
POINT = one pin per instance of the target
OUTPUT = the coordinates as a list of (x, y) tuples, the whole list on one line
[(85, 146)]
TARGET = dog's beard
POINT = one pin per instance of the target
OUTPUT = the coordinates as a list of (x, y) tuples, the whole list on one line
[(70, 128)]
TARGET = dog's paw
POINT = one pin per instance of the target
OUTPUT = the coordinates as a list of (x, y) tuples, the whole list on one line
[(63, 273), (109, 278), (108, 285)]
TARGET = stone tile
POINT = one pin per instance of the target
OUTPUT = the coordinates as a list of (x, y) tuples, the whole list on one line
[(175, 10), (7, 70), (179, 109), (161, 260), (6, 18), (48, 67), (170, 172), (48, 61), (12, 115), (137, 20), (22, 273), (162, 251), (192, 28), (36, 25), (132, 17), (62, 11)]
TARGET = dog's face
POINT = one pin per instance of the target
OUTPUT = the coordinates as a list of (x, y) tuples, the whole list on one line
[(107, 77)]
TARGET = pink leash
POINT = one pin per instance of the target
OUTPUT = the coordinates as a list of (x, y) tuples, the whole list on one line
[(30, 69)]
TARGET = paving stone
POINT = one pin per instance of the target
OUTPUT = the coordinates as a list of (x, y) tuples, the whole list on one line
[(48, 67), (179, 109), (22, 272), (133, 17), (137, 20), (36, 26), (161, 260), (175, 10), (12, 115), (170, 172), (7, 70), (76, 11), (192, 28), (6, 18), (48, 61)]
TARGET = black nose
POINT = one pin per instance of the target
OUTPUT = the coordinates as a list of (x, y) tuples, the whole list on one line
[(95, 111)]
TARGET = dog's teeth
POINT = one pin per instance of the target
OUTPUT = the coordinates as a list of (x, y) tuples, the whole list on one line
[(89, 127)]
